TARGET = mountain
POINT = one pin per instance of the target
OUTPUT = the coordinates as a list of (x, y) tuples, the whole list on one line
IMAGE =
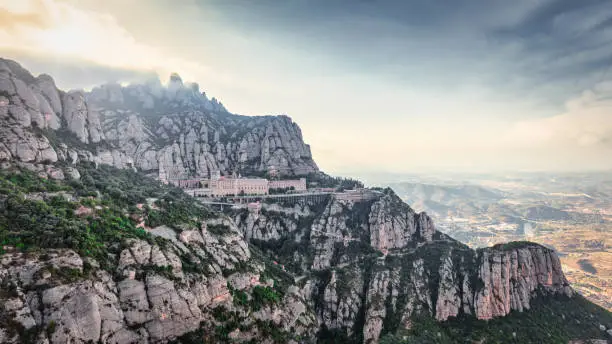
[(439, 200), (93, 250), (446, 193), (144, 126)]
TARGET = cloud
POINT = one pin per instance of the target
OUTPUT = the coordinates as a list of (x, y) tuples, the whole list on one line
[(11, 21), (448, 83), (587, 122), (76, 73), (95, 38), (578, 138), (543, 50), (561, 41)]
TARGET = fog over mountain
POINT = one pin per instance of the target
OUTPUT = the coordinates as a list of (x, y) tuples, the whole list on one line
[(457, 85)]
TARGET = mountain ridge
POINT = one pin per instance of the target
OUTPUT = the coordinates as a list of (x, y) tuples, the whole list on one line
[(146, 126)]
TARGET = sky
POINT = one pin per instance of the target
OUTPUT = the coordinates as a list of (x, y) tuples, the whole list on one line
[(406, 86)]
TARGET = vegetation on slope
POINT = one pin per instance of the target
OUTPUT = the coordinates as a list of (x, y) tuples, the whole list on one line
[(551, 320), (96, 214), (92, 216)]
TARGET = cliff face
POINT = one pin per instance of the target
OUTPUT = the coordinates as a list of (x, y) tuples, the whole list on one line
[(337, 249), (145, 126), (162, 284), (510, 276)]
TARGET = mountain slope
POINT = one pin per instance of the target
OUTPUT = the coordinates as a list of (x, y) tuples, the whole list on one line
[(119, 258)]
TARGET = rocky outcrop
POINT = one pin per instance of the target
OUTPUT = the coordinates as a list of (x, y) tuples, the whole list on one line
[(150, 127), (379, 260), (376, 310), (76, 115), (449, 291), (341, 300), (329, 229), (393, 224), (24, 109), (150, 298), (511, 277)]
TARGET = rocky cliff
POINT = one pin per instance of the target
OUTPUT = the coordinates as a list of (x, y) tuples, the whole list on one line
[(369, 267), (149, 126), (85, 272), (146, 301)]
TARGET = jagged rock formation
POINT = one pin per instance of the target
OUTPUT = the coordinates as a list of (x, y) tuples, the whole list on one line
[(176, 128), (511, 276), (338, 248), (151, 298), (390, 229)]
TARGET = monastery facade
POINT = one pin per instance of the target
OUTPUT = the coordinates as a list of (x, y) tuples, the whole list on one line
[(218, 185), (298, 185)]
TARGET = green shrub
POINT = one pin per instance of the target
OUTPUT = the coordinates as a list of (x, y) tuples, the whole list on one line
[(263, 296), (50, 328), (551, 320)]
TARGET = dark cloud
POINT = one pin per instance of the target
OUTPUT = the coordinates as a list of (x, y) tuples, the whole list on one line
[(71, 73), (444, 42), (537, 48), (562, 29), (542, 20), (302, 13), (606, 24)]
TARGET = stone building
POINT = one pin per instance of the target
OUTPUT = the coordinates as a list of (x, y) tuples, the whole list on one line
[(235, 186), (298, 185), (218, 185)]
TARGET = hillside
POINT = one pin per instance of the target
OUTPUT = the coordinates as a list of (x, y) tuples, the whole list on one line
[(101, 259), (93, 250)]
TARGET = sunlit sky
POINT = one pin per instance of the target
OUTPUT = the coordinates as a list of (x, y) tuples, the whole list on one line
[(375, 85)]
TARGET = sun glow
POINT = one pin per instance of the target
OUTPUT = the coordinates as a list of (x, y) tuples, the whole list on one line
[(65, 40)]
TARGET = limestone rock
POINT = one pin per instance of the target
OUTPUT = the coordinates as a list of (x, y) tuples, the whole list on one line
[(73, 173), (341, 304), (356, 262), (190, 138), (145, 307), (511, 276), (75, 113), (376, 308), (449, 297), (393, 224), (49, 91)]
